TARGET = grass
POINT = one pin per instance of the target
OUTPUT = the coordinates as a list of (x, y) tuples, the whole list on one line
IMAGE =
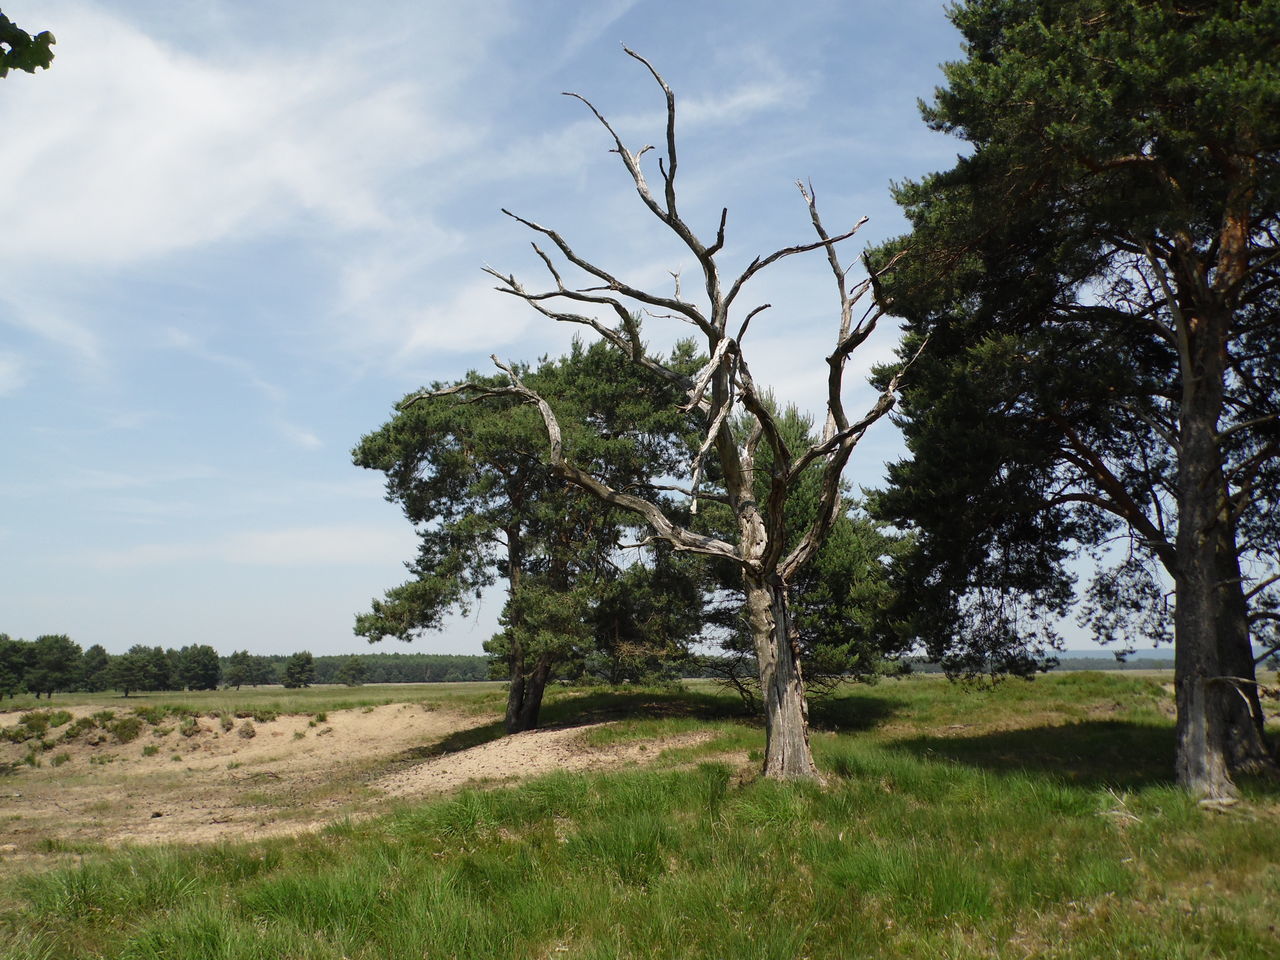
[(1024, 820), (269, 699)]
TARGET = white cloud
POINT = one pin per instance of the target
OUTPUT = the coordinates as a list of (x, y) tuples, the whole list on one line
[(130, 149)]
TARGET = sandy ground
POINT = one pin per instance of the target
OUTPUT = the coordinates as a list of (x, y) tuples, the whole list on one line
[(289, 778)]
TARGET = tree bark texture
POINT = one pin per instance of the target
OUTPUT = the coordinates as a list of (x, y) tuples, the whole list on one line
[(1248, 749), (786, 713), (1202, 725)]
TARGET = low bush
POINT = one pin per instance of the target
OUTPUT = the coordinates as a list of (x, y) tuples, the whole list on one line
[(80, 726), (247, 730), (126, 729)]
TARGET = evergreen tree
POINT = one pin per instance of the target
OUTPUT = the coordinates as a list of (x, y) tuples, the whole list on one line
[(94, 668), (299, 671), (54, 665), (350, 672), (239, 669), (198, 668), (14, 658), (130, 671), (470, 476), (1097, 278)]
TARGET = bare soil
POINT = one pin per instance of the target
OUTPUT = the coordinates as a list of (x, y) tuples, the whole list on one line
[(290, 777)]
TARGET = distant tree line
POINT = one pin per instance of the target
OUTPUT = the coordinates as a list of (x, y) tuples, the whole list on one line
[(54, 663)]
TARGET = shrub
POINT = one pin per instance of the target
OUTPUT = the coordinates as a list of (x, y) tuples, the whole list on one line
[(152, 715), (150, 750), (247, 730), (79, 726), (189, 727), (58, 717), (36, 722), (126, 729), (60, 759), (226, 721), (103, 717)]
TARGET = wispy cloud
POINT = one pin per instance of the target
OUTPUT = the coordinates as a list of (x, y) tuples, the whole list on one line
[(334, 545), (13, 375), (594, 20), (275, 396), (136, 149)]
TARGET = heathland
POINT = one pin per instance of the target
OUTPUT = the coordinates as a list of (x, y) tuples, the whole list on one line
[(1023, 819)]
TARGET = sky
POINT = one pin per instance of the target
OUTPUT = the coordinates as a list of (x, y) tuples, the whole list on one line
[(238, 231)]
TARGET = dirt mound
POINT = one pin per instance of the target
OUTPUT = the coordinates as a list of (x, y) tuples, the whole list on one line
[(293, 775)]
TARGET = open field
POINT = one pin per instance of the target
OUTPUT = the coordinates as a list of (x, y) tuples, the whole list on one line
[(1025, 820)]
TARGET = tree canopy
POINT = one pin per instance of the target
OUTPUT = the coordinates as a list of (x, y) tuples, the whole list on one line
[(488, 509), (1097, 279), (19, 50)]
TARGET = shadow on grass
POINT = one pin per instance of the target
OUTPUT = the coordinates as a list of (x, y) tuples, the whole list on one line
[(561, 712), (1116, 753), (853, 713)]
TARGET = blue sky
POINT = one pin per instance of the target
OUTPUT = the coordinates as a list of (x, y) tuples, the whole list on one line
[(237, 232)]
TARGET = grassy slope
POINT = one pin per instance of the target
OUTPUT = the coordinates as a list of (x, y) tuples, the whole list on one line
[(1032, 820)]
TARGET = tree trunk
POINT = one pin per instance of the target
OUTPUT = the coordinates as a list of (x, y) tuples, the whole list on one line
[(535, 685), (786, 714), (1248, 750), (1202, 724), (515, 695)]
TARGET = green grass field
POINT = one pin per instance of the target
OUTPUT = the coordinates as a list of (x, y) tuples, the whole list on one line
[(1025, 820)]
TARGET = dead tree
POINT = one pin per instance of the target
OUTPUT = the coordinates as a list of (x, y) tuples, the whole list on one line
[(722, 392)]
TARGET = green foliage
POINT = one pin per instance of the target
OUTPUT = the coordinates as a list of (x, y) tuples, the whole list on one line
[(14, 657), (78, 727), (95, 667), (53, 665), (198, 668), (471, 477), (299, 671), (1117, 147), (142, 668), (20, 50), (125, 729), (839, 601), (351, 672)]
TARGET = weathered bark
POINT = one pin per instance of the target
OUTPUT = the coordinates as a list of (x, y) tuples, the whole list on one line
[(535, 685), (515, 696), (1248, 750), (786, 714), (1202, 729), (718, 392), (516, 692)]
